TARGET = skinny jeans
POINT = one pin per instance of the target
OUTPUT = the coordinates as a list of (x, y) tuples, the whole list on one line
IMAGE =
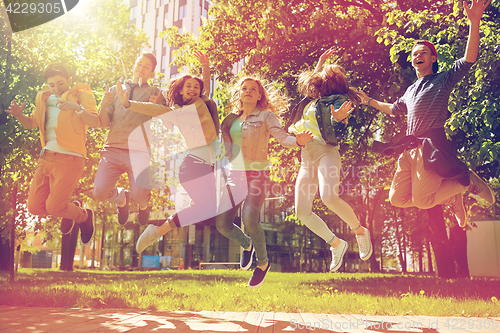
[(248, 187)]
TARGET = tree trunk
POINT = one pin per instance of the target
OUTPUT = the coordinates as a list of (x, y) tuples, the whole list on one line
[(374, 264), (121, 264), (420, 261), (458, 241), (13, 233), (445, 266), (430, 267), (402, 251), (303, 249), (92, 255), (103, 260), (68, 249)]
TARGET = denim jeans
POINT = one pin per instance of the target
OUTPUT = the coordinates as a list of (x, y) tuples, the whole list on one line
[(250, 187), (197, 178)]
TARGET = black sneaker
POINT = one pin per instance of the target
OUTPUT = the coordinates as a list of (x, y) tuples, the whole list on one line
[(258, 277), (123, 212), (87, 227), (246, 258), (143, 216), (67, 224)]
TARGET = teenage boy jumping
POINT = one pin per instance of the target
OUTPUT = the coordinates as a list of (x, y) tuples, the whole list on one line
[(429, 173), (63, 115)]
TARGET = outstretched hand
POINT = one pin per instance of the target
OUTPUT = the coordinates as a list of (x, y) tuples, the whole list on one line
[(120, 94), (156, 99), (364, 97), (201, 57), (304, 137), (108, 98), (343, 112), (15, 109), (476, 10), (327, 54)]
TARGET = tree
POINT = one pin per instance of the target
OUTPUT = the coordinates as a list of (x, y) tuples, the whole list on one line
[(95, 45), (278, 40)]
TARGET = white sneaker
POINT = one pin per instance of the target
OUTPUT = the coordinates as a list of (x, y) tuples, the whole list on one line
[(364, 245), (148, 237), (338, 255)]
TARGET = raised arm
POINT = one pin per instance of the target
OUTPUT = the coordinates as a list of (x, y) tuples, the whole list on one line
[(381, 106), (147, 108), (474, 14), (327, 54), (205, 73), (17, 111)]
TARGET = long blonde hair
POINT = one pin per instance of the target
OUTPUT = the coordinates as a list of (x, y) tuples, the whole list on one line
[(271, 98), (332, 80)]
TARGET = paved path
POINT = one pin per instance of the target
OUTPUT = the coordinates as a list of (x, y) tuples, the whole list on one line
[(35, 320)]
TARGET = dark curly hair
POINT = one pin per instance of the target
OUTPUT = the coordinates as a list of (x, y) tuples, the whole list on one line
[(173, 94)]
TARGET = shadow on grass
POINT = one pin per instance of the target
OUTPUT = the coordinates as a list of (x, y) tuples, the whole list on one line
[(401, 285), (50, 319)]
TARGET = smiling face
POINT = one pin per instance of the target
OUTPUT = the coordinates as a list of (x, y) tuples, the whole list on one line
[(249, 92), (190, 89), (58, 85), (422, 59), (143, 68)]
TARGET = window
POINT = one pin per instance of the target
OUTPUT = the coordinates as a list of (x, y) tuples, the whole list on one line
[(149, 5), (182, 11), (133, 12), (165, 18), (159, 25), (158, 43), (205, 9), (163, 62)]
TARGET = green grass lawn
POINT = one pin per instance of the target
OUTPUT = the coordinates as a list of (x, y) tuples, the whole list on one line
[(226, 290)]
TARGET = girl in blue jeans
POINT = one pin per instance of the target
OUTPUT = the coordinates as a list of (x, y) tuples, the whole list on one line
[(245, 133)]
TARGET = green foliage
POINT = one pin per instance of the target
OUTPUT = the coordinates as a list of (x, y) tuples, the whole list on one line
[(473, 124), (278, 40), (94, 42)]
